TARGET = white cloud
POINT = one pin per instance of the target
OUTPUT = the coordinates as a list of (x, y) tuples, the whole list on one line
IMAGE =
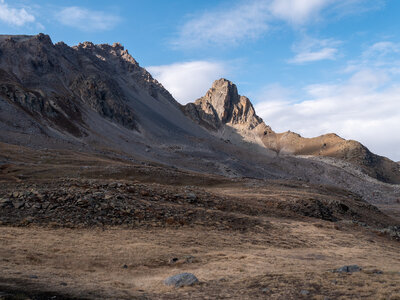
[(225, 26), (188, 81), (324, 53), (310, 50), (249, 20), (297, 11), (14, 16), (365, 108), (87, 20)]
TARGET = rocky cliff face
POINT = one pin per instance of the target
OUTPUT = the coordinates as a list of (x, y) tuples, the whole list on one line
[(57, 83), (222, 105)]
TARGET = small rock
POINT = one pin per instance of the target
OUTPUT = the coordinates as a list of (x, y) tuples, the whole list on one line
[(265, 290), (304, 292), (183, 279), (33, 276), (125, 267), (63, 283), (18, 204), (191, 197), (349, 269)]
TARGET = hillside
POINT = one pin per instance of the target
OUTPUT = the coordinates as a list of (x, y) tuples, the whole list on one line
[(223, 109)]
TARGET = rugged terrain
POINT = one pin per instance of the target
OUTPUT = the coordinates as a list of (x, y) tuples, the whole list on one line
[(222, 110), (108, 186), (93, 227)]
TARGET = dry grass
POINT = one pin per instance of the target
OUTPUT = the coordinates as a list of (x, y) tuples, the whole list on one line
[(229, 264)]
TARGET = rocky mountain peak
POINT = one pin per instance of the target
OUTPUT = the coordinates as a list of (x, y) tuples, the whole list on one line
[(222, 105)]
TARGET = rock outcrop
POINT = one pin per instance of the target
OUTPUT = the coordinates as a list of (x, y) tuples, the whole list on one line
[(227, 114), (223, 105)]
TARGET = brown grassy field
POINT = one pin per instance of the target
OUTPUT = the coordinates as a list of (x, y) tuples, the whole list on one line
[(293, 256)]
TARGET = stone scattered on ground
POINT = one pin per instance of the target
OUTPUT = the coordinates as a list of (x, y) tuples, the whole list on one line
[(180, 280), (305, 293), (349, 269)]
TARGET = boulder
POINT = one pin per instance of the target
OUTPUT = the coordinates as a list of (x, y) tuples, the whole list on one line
[(349, 269), (180, 280)]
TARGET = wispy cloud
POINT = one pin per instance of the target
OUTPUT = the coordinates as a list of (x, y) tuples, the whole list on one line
[(14, 16), (297, 11), (87, 20), (188, 81), (382, 54), (245, 20), (310, 50), (249, 20)]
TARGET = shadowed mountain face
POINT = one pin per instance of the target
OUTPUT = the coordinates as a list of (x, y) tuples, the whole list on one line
[(55, 84), (222, 107), (97, 99)]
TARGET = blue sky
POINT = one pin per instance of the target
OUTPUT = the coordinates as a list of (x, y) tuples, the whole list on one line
[(309, 66)]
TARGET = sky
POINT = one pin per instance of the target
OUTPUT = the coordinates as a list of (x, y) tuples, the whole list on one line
[(309, 66)]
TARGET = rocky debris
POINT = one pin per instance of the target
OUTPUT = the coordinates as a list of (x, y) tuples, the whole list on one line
[(348, 269), (392, 231), (87, 203), (180, 280), (78, 203)]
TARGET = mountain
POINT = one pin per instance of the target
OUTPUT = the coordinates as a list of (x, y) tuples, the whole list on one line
[(223, 109), (96, 99)]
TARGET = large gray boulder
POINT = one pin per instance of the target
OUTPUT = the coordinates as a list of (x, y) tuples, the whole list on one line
[(183, 279)]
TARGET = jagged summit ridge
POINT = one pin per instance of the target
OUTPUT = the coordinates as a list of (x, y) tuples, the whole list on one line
[(56, 83), (222, 105)]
